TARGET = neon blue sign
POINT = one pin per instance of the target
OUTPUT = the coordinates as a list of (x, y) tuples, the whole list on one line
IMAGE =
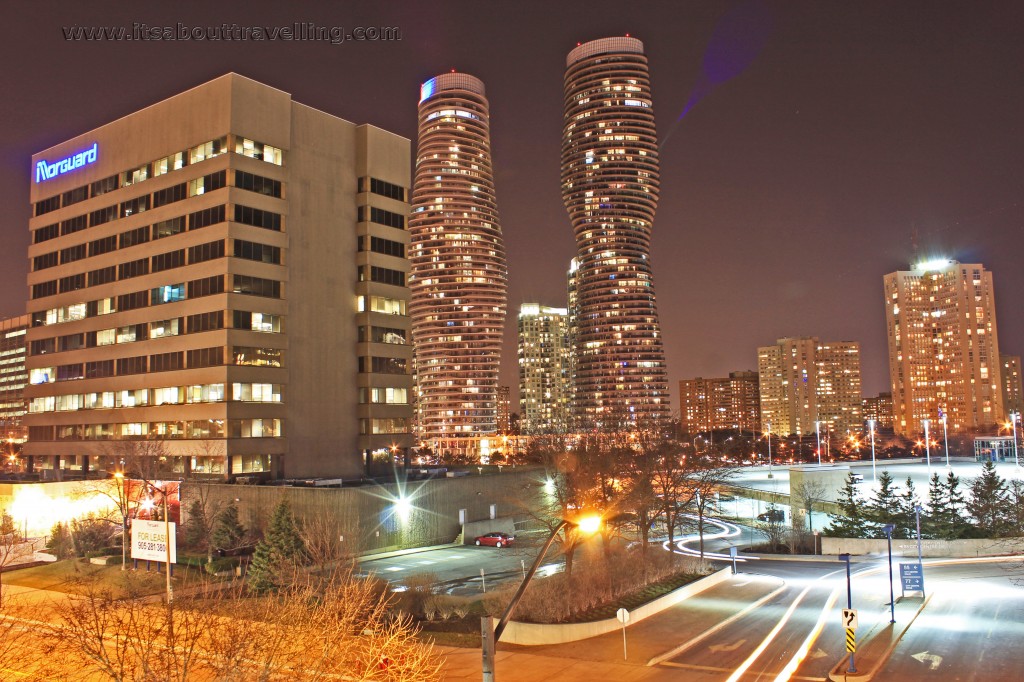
[(48, 171)]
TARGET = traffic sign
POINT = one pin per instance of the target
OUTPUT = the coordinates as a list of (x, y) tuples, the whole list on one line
[(622, 615), (851, 640), (912, 577), (850, 619)]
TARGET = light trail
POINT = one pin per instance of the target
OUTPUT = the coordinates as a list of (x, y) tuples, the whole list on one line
[(726, 530), (805, 648)]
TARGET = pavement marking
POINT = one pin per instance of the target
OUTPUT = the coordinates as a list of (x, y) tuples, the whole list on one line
[(394, 568), (658, 660), (712, 669), (427, 563), (805, 648)]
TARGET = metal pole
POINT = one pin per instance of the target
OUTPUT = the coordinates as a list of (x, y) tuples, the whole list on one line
[(1014, 416), (945, 438), (770, 474), (920, 563), (167, 536), (892, 597), (849, 603), (817, 432), (871, 425), (503, 621), (927, 448)]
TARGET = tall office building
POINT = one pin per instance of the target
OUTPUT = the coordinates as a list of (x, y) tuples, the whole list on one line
[(504, 406), (720, 404), (803, 381), (543, 369), (459, 276), (1013, 392), (943, 346), (13, 377), (879, 410), (222, 272), (610, 189)]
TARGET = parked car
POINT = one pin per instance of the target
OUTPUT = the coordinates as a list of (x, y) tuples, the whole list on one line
[(772, 516), (496, 540)]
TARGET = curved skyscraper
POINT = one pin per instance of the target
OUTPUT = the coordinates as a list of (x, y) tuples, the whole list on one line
[(459, 275), (610, 189)]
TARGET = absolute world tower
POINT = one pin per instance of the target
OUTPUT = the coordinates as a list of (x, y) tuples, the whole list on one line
[(459, 277), (610, 189)]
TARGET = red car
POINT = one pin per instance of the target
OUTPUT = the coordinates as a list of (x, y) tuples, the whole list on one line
[(496, 540)]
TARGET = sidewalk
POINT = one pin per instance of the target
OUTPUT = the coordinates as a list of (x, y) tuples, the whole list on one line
[(601, 658)]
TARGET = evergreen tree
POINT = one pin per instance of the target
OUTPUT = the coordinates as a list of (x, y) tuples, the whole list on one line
[(228, 532), (851, 521), (933, 526), (989, 502), (884, 506), (197, 530), (278, 554), (955, 523), (906, 519), (1016, 508), (59, 543)]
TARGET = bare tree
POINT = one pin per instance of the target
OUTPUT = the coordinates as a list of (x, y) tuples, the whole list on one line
[(12, 545), (320, 537), (807, 493), (705, 476)]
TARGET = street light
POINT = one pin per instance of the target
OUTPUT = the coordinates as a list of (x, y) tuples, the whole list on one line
[(871, 425), (587, 525), (1014, 418), (122, 504), (849, 602), (927, 448), (945, 438), (770, 474), (887, 529), (817, 432)]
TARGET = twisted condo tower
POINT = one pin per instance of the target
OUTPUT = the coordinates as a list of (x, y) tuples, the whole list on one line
[(459, 275), (610, 189)]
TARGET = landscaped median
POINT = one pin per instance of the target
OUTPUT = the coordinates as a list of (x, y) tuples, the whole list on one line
[(532, 634)]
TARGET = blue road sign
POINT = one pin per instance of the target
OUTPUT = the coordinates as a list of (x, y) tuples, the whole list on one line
[(912, 577)]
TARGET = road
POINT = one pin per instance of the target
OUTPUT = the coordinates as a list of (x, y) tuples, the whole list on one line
[(457, 569)]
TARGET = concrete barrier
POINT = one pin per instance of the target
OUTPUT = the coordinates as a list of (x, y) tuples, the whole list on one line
[(534, 634), (929, 548)]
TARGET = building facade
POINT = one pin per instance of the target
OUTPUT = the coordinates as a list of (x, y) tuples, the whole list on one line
[(504, 409), (610, 185), (879, 410), (544, 385), (221, 277), (459, 276), (807, 386), (13, 377), (943, 346), (1013, 392), (720, 404)]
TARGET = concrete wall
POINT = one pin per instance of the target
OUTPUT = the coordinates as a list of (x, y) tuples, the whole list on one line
[(534, 634), (929, 548), (368, 517)]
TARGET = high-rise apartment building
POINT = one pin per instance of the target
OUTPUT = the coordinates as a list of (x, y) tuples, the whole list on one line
[(222, 273), (459, 275), (610, 185), (803, 381), (13, 377), (504, 409), (721, 403), (543, 369), (943, 346), (1013, 392), (879, 410)]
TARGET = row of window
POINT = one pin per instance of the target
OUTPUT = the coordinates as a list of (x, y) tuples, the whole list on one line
[(170, 395), (381, 217), (200, 429), (172, 162), (377, 365), (373, 273), (158, 362), (380, 245), (384, 189)]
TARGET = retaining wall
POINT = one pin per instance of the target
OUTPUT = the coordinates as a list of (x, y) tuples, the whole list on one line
[(929, 548)]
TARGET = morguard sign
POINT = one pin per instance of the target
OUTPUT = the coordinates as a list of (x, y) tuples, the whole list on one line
[(149, 541)]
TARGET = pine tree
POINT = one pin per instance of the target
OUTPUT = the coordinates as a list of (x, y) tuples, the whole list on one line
[(228, 532), (850, 522), (1016, 508), (989, 502), (197, 530), (884, 505), (934, 525), (59, 543), (906, 519), (955, 522), (279, 552)]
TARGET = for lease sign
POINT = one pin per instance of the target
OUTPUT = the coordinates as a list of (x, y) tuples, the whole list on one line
[(149, 541)]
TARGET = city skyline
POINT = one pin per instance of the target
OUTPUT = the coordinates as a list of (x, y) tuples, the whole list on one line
[(788, 190)]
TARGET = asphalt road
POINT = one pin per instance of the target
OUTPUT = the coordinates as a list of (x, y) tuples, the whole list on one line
[(457, 570)]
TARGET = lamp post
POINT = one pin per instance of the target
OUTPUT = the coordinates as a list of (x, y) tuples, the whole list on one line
[(849, 602), (817, 432), (871, 425), (770, 474), (927, 448), (888, 528), (587, 525), (122, 503), (945, 439), (1014, 418)]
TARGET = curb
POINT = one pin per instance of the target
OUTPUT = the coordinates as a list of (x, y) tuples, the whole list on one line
[(839, 674), (402, 552)]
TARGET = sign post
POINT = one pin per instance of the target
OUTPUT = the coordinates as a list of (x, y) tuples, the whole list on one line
[(732, 553), (150, 543), (912, 578), (849, 616), (623, 616)]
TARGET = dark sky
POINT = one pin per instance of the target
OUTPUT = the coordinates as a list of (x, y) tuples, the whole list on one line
[(788, 190)]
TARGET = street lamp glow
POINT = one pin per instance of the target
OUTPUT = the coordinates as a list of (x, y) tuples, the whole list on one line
[(589, 524), (403, 508)]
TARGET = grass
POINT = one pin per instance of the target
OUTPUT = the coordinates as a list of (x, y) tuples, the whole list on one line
[(68, 575)]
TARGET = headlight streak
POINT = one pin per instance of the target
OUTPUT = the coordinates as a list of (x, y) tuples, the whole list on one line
[(728, 530), (805, 648), (738, 673)]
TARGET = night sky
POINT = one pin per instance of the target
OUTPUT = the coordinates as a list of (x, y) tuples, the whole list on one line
[(807, 147)]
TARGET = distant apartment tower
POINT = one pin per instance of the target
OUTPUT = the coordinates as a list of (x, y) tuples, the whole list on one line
[(13, 377), (943, 346), (459, 275), (1013, 393), (221, 273), (879, 410), (610, 183), (543, 369), (718, 404), (803, 381), (504, 409)]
